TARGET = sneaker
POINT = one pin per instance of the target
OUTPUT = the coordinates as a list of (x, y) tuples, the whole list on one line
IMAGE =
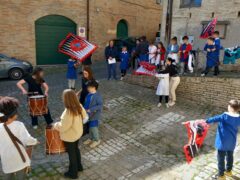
[(67, 175), (171, 103), (217, 177), (35, 127), (159, 105), (95, 144), (203, 75), (88, 141), (229, 173), (121, 78), (167, 105)]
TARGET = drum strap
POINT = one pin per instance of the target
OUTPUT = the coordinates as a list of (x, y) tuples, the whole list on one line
[(16, 142)]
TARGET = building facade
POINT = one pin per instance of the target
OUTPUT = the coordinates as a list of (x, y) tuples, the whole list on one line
[(32, 30), (190, 16)]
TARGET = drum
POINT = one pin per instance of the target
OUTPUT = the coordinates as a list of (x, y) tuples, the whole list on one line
[(54, 145), (37, 105)]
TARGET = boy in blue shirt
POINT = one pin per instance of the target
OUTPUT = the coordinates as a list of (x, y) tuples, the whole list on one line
[(226, 137), (93, 105), (217, 43)]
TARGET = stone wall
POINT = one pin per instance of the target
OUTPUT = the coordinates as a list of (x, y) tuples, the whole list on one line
[(207, 91), (17, 28)]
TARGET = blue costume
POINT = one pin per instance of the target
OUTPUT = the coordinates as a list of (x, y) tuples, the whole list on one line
[(212, 56), (226, 139), (71, 71), (124, 57)]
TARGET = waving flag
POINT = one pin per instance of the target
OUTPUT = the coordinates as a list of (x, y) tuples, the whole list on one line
[(209, 29), (146, 69), (76, 47)]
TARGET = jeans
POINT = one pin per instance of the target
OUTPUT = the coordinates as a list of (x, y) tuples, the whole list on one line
[(74, 156), (94, 133), (47, 117), (112, 70), (221, 161), (174, 82), (19, 175), (183, 67)]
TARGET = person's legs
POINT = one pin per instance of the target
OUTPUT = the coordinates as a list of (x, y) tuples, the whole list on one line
[(109, 71), (8, 176), (48, 117), (216, 70), (95, 133), (78, 155), (114, 70), (229, 161), (206, 71), (181, 67), (174, 84), (160, 99), (166, 99), (69, 83), (21, 175), (73, 84), (73, 164), (34, 120), (221, 162)]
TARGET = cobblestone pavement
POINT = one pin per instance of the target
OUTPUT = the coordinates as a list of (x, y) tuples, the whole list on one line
[(139, 140)]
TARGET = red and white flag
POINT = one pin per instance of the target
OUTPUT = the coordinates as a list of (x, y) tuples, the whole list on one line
[(209, 29)]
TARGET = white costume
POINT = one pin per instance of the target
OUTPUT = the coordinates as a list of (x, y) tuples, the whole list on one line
[(158, 57), (163, 85), (152, 49), (10, 157)]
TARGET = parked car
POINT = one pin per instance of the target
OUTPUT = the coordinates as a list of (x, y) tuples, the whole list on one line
[(13, 68)]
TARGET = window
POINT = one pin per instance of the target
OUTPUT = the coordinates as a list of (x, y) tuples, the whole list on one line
[(190, 3)]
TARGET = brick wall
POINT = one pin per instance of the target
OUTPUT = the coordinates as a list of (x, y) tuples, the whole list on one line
[(207, 91)]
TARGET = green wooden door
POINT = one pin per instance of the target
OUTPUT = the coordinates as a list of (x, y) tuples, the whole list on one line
[(50, 31), (122, 29)]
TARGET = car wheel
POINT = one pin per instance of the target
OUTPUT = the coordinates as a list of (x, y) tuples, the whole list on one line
[(15, 73)]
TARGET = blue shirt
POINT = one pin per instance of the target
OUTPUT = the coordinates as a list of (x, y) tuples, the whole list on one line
[(71, 71), (212, 56), (88, 101), (226, 137)]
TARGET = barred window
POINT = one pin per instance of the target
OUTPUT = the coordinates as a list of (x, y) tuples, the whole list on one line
[(190, 3)]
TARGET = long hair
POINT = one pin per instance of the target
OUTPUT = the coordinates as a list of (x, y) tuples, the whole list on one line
[(71, 102), (162, 46), (90, 73), (36, 73)]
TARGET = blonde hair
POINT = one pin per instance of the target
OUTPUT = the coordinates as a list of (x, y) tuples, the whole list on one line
[(71, 102)]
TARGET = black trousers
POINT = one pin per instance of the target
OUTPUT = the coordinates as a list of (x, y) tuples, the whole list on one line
[(216, 70), (47, 117), (123, 72), (161, 98), (74, 155)]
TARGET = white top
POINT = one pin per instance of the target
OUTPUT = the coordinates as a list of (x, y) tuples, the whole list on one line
[(152, 53), (10, 157)]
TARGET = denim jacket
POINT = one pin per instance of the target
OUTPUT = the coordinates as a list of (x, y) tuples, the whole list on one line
[(175, 49)]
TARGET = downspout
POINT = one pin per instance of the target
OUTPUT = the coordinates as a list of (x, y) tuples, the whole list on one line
[(170, 11), (88, 19)]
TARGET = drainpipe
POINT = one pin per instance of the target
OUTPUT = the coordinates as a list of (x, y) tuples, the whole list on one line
[(169, 21), (88, 18)]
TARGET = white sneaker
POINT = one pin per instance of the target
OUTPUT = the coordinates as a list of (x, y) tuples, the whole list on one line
[(35, 127), (159, 105), (203, 75), (171, 104), (167, 105), (88, 141), (95, 144), (121, 78)]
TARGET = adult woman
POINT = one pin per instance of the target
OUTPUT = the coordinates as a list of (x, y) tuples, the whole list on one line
[(87, 76), (174, 79), (35, 83), (71, 129), (111, 54)]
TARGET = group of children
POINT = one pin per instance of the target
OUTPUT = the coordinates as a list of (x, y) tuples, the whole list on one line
[(15, 137)]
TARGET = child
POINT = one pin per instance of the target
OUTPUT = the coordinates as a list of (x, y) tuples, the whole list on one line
[(217, 42), (72, 73), (163, 88), (124, 57), (184, 51), (212, 56), (152, 50), (173, 49), (71, 129), (93, 106), (160, 55), (226, 137), (14, 158)]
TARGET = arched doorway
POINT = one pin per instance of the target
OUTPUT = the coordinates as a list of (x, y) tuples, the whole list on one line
[(50, 30), (122, 29)]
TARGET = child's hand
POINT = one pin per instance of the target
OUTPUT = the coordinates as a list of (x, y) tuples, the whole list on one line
[(208, 50)]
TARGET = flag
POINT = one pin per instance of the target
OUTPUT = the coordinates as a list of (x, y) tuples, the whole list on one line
[(209, 29), (146, 69), (76, 47), (197, 131)]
